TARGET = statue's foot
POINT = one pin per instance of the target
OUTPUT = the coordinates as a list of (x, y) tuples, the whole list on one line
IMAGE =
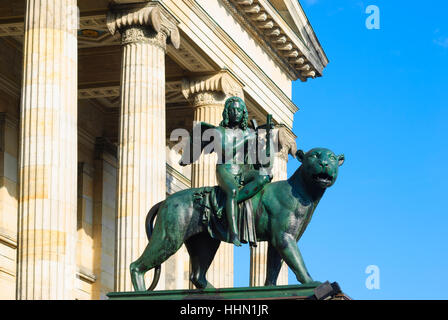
[(235, 240), (199, 283), (137, 278)]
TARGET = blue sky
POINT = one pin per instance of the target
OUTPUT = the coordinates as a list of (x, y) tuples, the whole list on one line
[(382, 102)]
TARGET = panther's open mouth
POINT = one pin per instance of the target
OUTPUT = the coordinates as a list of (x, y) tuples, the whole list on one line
[(323, 178)]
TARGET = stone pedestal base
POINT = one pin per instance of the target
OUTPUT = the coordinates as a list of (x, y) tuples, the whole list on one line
[(312, 291)]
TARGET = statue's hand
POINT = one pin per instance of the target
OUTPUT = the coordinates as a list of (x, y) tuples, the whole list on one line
[(265, 126)]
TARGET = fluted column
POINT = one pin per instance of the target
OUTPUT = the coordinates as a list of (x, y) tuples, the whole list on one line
[(142, 160), (284, 142), (208, 108), (207, 95), (48, 152)]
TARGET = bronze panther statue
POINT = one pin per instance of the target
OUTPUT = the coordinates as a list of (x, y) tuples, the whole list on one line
[(284, 209)]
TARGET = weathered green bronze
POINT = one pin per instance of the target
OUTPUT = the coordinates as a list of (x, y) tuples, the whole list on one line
[(236, 174), (283, 211)]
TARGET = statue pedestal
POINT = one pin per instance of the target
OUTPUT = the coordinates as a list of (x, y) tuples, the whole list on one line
[(311, 291)]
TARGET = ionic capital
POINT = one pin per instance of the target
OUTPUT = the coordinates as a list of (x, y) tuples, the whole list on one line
[(209, 89), (208, 98), (138, 18), (141, 34)]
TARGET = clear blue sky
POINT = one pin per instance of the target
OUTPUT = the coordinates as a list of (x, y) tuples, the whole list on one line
[(383, 103)]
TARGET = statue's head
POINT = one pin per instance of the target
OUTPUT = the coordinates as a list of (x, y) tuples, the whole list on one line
[(320, 166), (235, 113)]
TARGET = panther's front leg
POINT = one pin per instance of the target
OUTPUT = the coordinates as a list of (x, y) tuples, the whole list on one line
[(290, 253)]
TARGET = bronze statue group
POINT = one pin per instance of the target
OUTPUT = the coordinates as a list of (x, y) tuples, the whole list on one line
[(276, 212)]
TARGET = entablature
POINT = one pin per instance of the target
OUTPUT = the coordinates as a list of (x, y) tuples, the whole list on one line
[(204, 48)]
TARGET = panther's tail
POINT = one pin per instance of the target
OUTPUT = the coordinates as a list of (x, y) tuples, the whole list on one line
[(149, 222), (149, 227)]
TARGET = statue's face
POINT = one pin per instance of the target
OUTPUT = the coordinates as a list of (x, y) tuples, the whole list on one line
[(321, 166), (235, 112)]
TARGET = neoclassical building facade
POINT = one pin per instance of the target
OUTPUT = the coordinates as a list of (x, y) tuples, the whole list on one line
[(90, 91)]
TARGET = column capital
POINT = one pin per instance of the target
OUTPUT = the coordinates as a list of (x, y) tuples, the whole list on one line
[(138, 17), (209, 88), (286, 142)]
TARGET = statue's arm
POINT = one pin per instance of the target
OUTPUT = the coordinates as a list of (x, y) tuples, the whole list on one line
[(195, 143)]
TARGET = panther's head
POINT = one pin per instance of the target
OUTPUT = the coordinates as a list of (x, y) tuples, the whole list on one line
[(320, 166)]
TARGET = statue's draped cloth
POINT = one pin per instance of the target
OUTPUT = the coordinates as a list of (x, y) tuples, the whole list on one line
[(210, 201)]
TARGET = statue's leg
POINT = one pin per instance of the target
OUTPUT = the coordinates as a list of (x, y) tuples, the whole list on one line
[(138, 269), (288, 250), (273, 266), (202, 249), (158, 250), (253, 183), (227, 183)]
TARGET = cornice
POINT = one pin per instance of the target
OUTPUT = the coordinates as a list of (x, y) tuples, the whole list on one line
[(298, 15), (241, 54), (266, 25)]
